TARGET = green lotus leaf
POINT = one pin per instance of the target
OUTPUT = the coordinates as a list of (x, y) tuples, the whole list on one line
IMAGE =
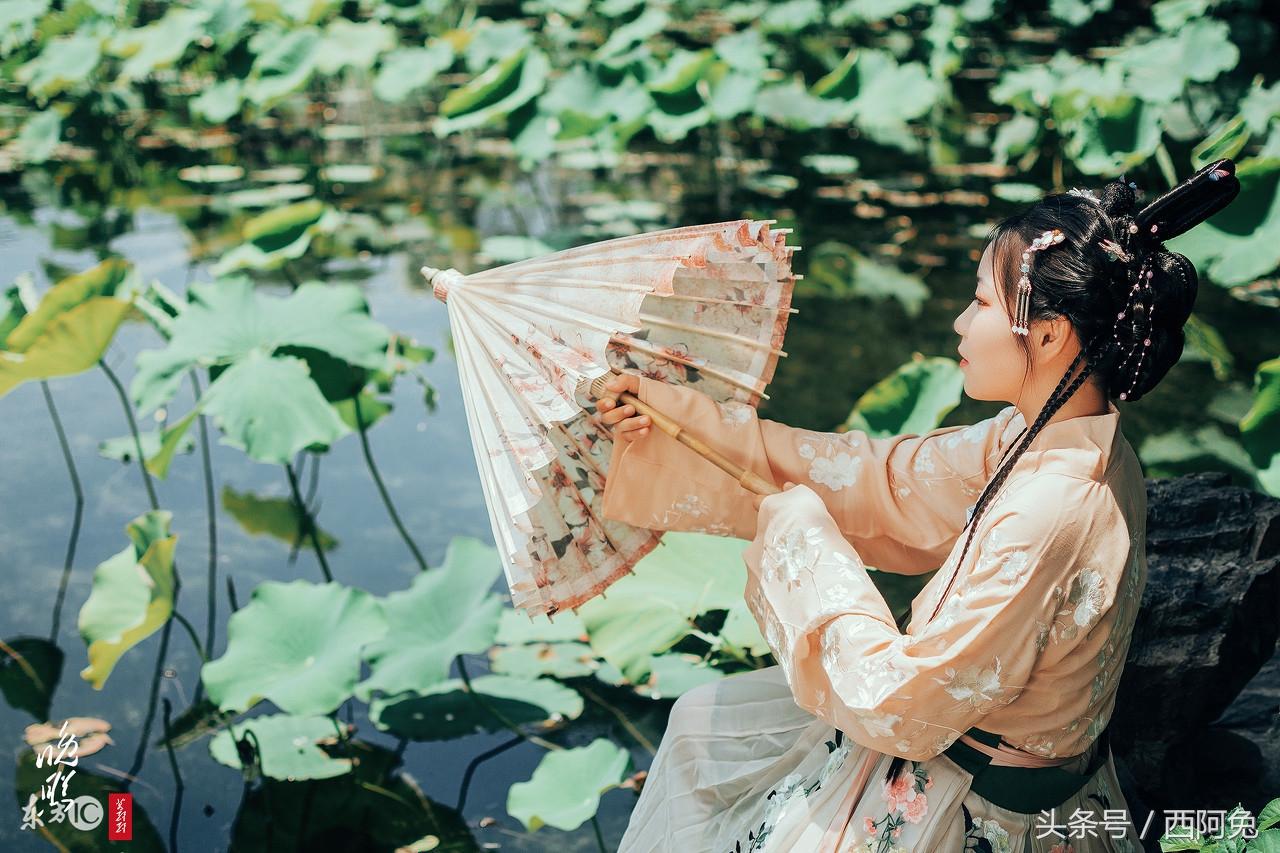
[(1226, 141), (791, 105), (1184, 451), (741, 631), (507, 248), (18, 20), (132, 595), (494, 42), (446, 710), (1260, 427), (745, 51), (270, 408), (1160, 68), (1077, 12), (408, 69), (517, 626), (889, 93), (653, 607), (649, 23), (731, 93), (40, 136), (124, 449), (565, 789), (1241, 242), (158, 44), (290, 746), (559, 660), (297, 644), (285, 62), (580, 102), (12, 310), (1269, 816), (1113, 135), (275, 517), (29, 783), (112, 277), (376, 806), (672, 674), (226, 320), (840, 82), (840, 271), (495, 92), (68, 343), (30, 668), (305, 11), (355, 45), (63, 63), (912, 400), (446, 612), (1260, 105), (279, 235), (372, 410), (218, 102)]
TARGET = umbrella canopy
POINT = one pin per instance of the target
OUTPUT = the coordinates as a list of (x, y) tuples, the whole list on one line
[(702, 305)]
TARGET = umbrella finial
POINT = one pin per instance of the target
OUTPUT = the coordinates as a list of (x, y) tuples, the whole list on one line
[(440, 280)]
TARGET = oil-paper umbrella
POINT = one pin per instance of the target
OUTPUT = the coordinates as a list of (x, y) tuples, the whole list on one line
[(703, 305)]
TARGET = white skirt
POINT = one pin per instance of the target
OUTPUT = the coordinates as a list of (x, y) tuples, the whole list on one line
[(742, 768)]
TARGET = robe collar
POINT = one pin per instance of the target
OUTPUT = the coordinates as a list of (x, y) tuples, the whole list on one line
[(1081, 446)]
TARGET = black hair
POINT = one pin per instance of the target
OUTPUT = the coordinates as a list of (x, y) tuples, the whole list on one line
[(1125, 295)]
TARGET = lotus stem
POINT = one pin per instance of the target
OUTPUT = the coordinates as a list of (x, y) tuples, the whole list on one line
[(133, 430), (308, 524), (382, 487)]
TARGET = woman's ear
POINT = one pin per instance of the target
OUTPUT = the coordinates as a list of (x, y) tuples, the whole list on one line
[(1053, 336)]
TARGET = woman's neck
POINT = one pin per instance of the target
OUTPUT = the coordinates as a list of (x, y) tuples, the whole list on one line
[(1087, 400)]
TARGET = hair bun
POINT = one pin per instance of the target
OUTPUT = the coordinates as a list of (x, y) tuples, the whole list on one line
[(1119, 198), (1175, 283)]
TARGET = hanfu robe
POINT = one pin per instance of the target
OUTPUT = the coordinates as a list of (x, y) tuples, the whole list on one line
[(1028, 643)]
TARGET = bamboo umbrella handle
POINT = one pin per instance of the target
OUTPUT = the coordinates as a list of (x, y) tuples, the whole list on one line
[(749, 480)]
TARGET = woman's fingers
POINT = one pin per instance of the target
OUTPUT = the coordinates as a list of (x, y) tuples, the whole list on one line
[(622, 416)]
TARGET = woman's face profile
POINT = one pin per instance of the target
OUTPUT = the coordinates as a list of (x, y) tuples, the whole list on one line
[(994, 364)]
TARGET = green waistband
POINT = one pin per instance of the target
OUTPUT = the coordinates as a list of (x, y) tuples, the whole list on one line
[(1027, 790)]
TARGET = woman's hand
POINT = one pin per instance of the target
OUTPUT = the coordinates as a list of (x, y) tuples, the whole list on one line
[(623, 421)]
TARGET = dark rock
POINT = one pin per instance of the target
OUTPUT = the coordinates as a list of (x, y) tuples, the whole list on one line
[(1194, 722)]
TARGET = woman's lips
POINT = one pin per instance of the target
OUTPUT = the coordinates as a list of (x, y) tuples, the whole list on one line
[(963, 361)]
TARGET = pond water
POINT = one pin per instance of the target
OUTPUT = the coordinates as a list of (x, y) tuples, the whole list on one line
[(67, 219)]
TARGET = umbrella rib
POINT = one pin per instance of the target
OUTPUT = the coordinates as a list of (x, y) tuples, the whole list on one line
[(689, 232), (735, 302), (711, 333), (548, 281), (636, 343)]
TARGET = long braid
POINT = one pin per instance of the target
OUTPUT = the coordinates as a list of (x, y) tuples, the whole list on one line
[(1065, 388)]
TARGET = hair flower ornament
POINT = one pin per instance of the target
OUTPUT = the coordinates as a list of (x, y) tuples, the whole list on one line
[(1021, 318)]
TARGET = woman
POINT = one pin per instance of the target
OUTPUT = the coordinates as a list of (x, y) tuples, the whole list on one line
[(983, 726)]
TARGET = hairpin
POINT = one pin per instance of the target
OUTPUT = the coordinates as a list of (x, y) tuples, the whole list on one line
[(1114, 251), (1021, 313), (1140, 347)]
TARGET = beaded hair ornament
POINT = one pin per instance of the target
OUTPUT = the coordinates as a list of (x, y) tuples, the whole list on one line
[(1180, 209)]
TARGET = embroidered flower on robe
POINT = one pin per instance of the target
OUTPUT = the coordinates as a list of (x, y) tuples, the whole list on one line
[(831, 463), (1087, 594), (994, 834), (879, 725), (1084, 605), (792, 554), (923, 463), (974, 684), (734, 413)]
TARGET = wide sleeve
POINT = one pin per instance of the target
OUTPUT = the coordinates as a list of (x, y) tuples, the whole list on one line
[(912, 695), (901, 501)]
